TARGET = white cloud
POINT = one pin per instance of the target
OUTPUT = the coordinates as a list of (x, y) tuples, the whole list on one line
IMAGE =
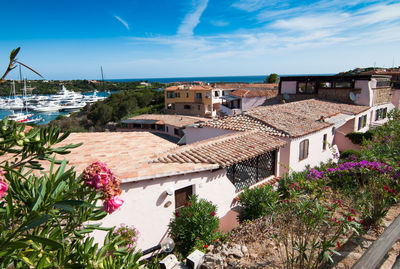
[(192, 19), (122, 21)]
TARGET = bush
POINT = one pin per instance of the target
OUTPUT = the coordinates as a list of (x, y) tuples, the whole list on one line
[(194, 224), (358, 138), (350, 154), (128, 234), (309, 229), (257, 202)]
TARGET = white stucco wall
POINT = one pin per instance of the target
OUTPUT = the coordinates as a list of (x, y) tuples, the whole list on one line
[(374, 109), (288, 87), (366, 96), (198, 134), (145, 203), (316, 154), (249, 103)]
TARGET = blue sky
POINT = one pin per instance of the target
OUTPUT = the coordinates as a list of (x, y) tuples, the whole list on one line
[(168, 38)]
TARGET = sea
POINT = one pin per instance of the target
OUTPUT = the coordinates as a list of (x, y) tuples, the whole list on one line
[(234, 79)]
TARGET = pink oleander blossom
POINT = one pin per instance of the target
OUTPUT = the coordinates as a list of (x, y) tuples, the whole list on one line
[(3, 185), (97, 175), (112, 204)]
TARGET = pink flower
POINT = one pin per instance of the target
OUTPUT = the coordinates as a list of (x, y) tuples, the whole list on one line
[(112, 204), (3, 188), (97, 175)]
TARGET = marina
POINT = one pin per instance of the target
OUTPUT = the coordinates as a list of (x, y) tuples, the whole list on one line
[(42, 109)]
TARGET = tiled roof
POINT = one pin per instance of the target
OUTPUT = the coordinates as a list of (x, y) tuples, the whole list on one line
[(223, 150), (189, 87), (254, 93), (302, 117), (175, 120), (242, 123), (127, 154)]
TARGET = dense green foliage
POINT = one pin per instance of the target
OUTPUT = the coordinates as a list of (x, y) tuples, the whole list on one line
[(195, 225), (357, 138), (45, 218), (116, 107), (257, 202), (350, 154), (272, 78)]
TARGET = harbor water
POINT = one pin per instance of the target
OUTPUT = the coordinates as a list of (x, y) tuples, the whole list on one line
[(49, 116)]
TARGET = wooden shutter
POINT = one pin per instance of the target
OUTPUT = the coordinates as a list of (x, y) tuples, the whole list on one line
[(182, 196)]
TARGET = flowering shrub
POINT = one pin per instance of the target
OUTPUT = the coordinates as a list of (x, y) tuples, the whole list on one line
[(308, 229), (374, 184), (257, 202), (98, 176), (128, 234), (194, 224)]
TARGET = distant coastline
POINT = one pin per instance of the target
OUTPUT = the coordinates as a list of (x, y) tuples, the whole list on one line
[(245, 79)]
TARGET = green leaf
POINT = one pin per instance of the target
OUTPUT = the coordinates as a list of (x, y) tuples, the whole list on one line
[(36, 222), (39, 198), (69, 204), (40, 264), (45, 241)]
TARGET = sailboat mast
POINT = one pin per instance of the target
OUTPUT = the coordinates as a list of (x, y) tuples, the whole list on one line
[(102, 77)]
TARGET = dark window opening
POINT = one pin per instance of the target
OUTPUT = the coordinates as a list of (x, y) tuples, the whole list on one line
[(186, 106), (182, 196), (324, 141), (177, 94), (170, 94), (362, 122), (251, 171), (306, 87), (198, 95), (303, 149)]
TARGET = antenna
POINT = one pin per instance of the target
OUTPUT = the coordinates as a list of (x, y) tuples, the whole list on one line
[(286, 96), (352, 96)]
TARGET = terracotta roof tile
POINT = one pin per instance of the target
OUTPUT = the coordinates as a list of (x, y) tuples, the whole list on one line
[(254, 93), (175, 120), (247, 86), (223, 150), (127, 154), (242, 123), (302, 117)]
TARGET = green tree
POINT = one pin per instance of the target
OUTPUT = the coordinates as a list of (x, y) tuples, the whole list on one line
[(272, 78)]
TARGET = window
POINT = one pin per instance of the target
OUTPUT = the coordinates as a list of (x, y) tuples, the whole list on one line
[(182, 196), (324, 141), (251, 171), (186, 106), (303, 149), (216, 93), (177, 94), (333, 130), (362, 122), (207, 95), (198, 107), (176, 131), (166, 128), (343, 85), (306, 87), (187, 95), (198, 95), (380, 113), (170, 94)]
